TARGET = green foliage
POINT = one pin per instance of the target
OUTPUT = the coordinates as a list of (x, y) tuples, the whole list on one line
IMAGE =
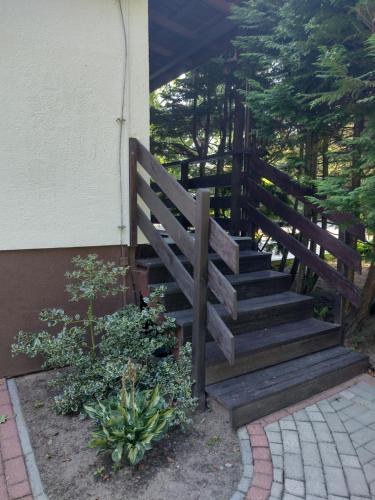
[(189, 116), (93, 279), (131, 422), (3, 419), (322, 312), (93, 371)]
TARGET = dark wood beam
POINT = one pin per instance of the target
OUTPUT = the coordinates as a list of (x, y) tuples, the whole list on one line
[(159, 49), (221, 5), (171, 25), (196, 53)]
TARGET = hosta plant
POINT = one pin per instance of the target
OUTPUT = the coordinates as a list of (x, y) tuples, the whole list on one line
[(130, 423)]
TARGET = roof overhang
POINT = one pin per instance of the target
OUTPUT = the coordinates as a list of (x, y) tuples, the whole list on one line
[(185, 34)]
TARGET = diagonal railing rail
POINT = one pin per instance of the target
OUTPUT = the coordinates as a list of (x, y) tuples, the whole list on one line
[(195, 248), (344, 253)]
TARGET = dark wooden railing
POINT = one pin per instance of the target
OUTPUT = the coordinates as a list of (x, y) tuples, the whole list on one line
[(235, 198), (346, 256), (215, 173), (195, 247)]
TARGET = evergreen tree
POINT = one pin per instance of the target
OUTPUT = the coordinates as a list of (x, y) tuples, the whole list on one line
[(309, 67)]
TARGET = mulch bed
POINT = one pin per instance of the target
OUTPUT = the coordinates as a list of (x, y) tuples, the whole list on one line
[(203, 463)]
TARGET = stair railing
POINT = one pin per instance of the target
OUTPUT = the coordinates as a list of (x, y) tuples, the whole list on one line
[(195, 248), (344, 253), (237, 194), (214, 172)]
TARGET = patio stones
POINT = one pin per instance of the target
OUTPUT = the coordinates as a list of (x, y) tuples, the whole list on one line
[(322, 448)]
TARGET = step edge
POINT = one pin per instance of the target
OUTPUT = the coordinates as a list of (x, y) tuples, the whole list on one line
[(300, 299), (330, 328), (151, 262), (360, 359), (277, 276)]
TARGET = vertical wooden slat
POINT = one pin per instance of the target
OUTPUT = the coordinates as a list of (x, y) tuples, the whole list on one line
[(184, 174), (133, 162), (202, 216), (238, 146), (342, 268)]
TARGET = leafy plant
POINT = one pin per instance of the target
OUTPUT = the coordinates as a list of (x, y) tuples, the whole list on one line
[(3, 419), (131, 422), (322, 312), (93, 371)]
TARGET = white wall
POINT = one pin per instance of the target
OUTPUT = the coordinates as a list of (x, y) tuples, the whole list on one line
[(61, 90)]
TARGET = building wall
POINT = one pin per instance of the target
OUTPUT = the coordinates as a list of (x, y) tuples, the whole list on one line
[(66, 73), (62, 70)]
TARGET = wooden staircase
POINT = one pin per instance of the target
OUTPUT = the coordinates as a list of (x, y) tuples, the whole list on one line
[(256, 344), (282, 353)]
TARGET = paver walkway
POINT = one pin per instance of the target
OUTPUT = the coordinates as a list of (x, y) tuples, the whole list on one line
[(14, 482), (322, 448)]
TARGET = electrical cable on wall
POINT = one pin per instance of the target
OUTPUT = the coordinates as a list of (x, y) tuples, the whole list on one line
[(121, 121)]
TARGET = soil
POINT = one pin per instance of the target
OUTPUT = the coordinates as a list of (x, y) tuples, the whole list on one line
[(202, 464)]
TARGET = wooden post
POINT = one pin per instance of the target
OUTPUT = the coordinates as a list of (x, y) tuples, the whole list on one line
[(200, 295), (238, 151), (342, 304), (132, 293), (184, 174), (133, 165)]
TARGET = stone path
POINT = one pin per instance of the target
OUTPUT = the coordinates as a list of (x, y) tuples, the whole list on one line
[(14, 482), (322, 448)]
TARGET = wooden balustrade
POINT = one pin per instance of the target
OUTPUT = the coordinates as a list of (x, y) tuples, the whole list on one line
[(195, 248), (239, 194), (293, 188), (244, 189)]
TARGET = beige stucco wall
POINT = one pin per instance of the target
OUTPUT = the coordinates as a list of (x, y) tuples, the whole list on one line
[(61, 90)]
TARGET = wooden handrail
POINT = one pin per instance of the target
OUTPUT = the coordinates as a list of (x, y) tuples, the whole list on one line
[(220, 286), (220, 241), (195, 248), (293, 188), (198, 159), (306, 256), (337, 248)]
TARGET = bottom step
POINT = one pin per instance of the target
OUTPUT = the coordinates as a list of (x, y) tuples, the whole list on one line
[(265, 391)]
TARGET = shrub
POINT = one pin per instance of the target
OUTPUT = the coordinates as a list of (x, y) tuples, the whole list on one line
[(93, 370), (131, 422)]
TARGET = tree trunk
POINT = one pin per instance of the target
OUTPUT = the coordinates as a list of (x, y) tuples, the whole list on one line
[(304, 275), (356, 318)]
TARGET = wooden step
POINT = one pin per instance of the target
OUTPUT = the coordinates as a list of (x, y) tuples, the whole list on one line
[(147, 251), (250, 260), (248, 285), (265, 391), (270, 346), (256, 313)]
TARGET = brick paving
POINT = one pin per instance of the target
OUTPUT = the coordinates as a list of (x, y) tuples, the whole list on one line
[(14, 481), (322, 448)]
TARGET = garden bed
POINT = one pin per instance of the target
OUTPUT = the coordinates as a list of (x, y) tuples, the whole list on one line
[(204, 463)]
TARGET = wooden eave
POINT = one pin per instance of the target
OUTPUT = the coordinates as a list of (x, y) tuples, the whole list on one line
[(185, 34)]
